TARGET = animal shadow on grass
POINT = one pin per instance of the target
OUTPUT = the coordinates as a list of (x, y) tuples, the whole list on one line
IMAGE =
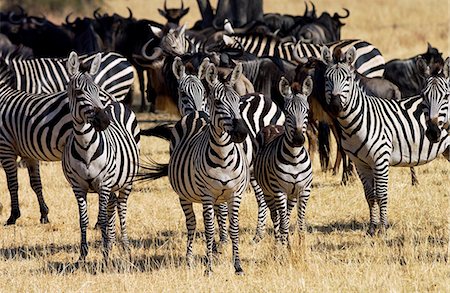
[(338, 226)]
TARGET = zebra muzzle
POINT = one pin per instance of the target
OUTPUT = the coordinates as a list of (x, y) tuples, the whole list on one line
[(101, 120), (298, 139), (239, 131), (433, 132), (335, 104)]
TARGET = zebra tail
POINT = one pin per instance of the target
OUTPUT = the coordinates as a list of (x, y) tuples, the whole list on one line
[(324, 145), (151, 170), (163, 131)]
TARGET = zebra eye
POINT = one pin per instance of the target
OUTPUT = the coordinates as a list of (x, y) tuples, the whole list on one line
[(217, 102)]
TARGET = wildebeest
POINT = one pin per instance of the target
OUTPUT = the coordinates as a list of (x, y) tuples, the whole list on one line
[(404, 72)]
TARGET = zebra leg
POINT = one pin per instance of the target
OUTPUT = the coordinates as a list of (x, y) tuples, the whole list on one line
[(381, 190), (122, 210), (290, 205), (301, 208), (208, 219), (10, 166), (84, 220), (221, 212), (233, 216), (262, 211), (281, 205), (35, 182), (190, 226), (270, 200), (140, 73), (414, 180), (102, 219), (111, 218), (367, 178)]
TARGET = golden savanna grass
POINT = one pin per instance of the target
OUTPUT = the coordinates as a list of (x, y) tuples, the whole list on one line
[(336, 254)]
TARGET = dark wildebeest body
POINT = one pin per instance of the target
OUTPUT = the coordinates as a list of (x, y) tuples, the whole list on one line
[(405, 75)]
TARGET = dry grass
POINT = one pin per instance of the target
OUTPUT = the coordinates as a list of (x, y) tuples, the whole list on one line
[(336, 255)]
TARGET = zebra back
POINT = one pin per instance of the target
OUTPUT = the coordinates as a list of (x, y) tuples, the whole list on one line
[(49, 75)]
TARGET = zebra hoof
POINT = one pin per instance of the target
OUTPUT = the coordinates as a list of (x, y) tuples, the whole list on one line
[(371, 231), (44, 220), (12, 220), (239, 272), (207, 273)]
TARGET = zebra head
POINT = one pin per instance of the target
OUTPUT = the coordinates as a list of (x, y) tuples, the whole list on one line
[(191, 92), (173, 39), (84, 100), (339, 78), (296, 109), (436, 94), (224, 104)]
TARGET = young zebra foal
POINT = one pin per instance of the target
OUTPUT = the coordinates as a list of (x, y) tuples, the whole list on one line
[(101, 154), (282, 164)]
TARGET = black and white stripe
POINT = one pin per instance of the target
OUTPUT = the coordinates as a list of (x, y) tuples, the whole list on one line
[(34, 127), (282, 165), (368, 61), (49, 75), (101, 154), (378, 133)]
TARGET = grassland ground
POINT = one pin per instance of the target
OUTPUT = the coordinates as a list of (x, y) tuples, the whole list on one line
[(336, 254)]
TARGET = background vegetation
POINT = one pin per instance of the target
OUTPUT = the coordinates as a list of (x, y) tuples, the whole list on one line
[(336, 255)]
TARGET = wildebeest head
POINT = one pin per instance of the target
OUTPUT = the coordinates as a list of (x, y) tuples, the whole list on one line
[(173, 15)]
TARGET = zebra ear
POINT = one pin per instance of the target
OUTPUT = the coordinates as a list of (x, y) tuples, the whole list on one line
[(285, 88), (73, 64), (307, 86), (211, 74), (156, 31), (95, 65), (422, 67), (228, 27), (446, 69), (236, 73), (350, 55), (326, 55), (182, 30), (178, 68), (202, 68)]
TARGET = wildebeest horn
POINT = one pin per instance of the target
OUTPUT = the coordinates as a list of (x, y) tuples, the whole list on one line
[(347, 15), (96, 14), (129, 13), (306, 9), (67, 19), (156, 51), (182, 5), (314, 9), (12, 20), (38, 20), (165, 5)]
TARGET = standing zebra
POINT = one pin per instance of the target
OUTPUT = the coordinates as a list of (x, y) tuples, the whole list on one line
[(101, 154), (282, 165), (209, 165), (369, 61), (377, 133), (49, 75), (34, 127)]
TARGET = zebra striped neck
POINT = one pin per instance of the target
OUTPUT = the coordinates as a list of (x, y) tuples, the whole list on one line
[(84, 134), (288, 148)]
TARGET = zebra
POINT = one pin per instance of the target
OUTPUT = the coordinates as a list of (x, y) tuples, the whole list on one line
[(436, 98), (377, 133), (34, 127), (209, 165), (101, 154), (49, 75), (282, 165), (369, 61)]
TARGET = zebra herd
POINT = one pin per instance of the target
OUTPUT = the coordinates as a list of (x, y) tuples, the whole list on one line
[(245, 118)]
